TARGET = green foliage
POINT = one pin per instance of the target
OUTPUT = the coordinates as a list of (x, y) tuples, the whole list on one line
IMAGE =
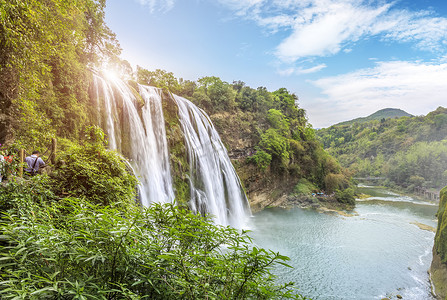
[(398, 149), (275, 144), (23, 197), (78, 250), (381, 115), (304, 187), (309, 133), (45, 49), (335, 182), (220, 94), (94, 172), (441, 232), (288, 103), (158, 78), (247, 99), (346, 196), (262, 159), (278, 121)]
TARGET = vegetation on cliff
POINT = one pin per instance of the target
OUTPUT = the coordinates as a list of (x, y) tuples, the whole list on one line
[(408, 151), (441, 232), (46, 48), (438, 269), (267, 134)]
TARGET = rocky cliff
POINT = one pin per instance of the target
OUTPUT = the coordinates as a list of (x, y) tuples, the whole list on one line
[(438, 270), (242, 133)]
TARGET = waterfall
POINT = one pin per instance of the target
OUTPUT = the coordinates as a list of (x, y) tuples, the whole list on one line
[(137, 129), (155, 161), (215, 186), (148, 150), (110, 109)]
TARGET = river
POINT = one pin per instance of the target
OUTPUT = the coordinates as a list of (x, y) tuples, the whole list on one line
[(379, 252)]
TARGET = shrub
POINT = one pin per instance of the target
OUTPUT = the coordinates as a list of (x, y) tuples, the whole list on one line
[(162, 252), (262, 159), (94, 172), (304, 187), (345, 196)]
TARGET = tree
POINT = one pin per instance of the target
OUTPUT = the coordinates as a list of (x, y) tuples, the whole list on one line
[(287, 103), (220, 93), (278, 121), (158, 78), (345, 196), (45, 48)]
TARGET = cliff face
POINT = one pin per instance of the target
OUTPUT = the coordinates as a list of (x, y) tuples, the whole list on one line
[(438, 270), (263, 187), (241, 133)]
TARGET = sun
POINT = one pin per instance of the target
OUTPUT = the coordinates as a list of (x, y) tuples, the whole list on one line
[(110, 74)]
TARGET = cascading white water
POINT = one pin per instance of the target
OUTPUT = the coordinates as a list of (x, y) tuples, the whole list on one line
[(156, 161), (148, 147), (110, 108), (215, 186)]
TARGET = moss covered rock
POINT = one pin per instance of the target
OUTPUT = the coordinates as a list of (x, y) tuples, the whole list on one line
[(438, 270), (441, 233)]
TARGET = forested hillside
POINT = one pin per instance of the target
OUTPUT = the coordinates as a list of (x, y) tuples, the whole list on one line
[(385, 113), (408, 151)]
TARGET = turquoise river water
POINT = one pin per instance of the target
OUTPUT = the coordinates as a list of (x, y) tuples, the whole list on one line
[(378, 253)]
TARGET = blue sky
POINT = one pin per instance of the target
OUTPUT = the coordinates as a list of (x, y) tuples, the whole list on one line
[(342, 58)]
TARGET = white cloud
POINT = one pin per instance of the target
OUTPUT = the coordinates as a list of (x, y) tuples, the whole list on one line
[(243, 7), (325, 27), (412, 86), (311, 70), (286, 72), (427, 32), (157, 5), (300, 70)]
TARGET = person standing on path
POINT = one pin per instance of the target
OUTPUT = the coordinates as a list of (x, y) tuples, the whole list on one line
[(34, 163)]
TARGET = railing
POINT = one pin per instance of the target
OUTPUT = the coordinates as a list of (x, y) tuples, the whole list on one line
[(369, 178)]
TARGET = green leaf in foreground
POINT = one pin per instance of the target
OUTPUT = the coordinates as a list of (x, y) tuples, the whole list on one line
[(77, 250)]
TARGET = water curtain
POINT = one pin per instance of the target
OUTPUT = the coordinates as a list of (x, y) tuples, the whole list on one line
[(137, 129), (215, 186), (143, 139)]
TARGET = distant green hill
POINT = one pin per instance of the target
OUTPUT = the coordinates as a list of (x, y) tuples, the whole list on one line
[(408, 151), (386, 113)]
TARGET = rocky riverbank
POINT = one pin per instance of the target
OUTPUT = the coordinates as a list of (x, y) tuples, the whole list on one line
[(324, 204)]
